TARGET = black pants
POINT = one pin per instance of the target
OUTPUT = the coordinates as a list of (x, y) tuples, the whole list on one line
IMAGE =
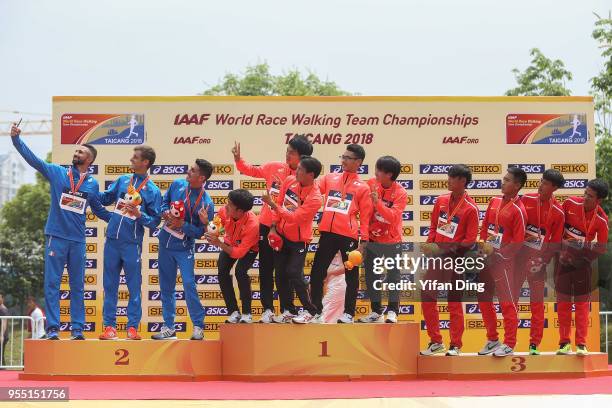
[(378, 250), (289, 267), (329, 245), (244, 282), (266, 272)]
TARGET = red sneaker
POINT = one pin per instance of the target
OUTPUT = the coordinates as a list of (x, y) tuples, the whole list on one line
[(132, 334), (110, 333)]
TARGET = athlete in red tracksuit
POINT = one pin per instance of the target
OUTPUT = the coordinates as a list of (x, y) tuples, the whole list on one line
[(454, 227), (543, 233), (345, 197), (584, 238), (274, 173), (389, 199), (299, 201), (239, 246), (504, 230)]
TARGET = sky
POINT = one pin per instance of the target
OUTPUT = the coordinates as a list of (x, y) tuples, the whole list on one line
[(382, 47)]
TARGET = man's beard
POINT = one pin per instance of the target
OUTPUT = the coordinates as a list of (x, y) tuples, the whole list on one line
[(77, 162)]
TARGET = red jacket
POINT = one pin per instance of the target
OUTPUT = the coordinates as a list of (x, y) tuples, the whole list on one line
[(386, 220), (549, 221), (345, 197), (297, 207), (242, 234), (511, 225), (274, 173), (592, 226), (462, 228)]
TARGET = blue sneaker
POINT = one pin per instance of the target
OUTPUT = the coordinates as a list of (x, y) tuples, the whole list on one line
[(52, 334), (77, 334)]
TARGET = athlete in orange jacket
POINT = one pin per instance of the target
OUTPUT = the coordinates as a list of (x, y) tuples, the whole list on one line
[(345, 196)]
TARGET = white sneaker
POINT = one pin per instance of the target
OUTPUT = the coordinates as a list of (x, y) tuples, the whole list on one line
[(198, 333), (303, 318), (489, 348), (165, 333), (246, 318), (345, 318), (283, 318), (453, 351), (267, 317), (434, 348), (318, 319), (372, 318), (233, 318), (503, 351), (391, 317)]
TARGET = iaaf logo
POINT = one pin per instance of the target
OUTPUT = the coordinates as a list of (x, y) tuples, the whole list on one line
[(153, 327), (202, 248), (428, 199), (190, 118), (444, 325), (575, 183), (406, 309), (169, 169), (219, 185), (407, 216), (153, 264), (91, 263), (406, 184), (87, 295), (216, 311), (191, 140), (93, 169), (156, 295), (337, 168), (91, 232), (154, 233), (87, 327), (530, 168)]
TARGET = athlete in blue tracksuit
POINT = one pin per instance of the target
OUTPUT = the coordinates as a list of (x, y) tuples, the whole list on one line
[(123, 245), (72, 190), (176, 247)]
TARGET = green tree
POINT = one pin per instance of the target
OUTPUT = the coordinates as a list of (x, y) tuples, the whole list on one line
[(544, 77), (258, 81), (22, 241)]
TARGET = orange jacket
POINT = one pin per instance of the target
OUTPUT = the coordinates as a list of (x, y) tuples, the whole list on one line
[(297, 207), (274, 173), (242, 234), (345, 197), (386, 220)]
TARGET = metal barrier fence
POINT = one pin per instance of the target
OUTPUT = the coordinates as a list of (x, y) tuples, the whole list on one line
[(605, 329), (15, 333)]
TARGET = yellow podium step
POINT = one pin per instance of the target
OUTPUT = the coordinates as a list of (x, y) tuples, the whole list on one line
[(320, 351), (144, 359), (519, 366)]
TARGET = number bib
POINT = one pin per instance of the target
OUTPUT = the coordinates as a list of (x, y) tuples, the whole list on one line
[(534, 238), (119, 209), (291, 201), (447, 229), (495, 239), (573, 237), (335, 203), (73, 202)]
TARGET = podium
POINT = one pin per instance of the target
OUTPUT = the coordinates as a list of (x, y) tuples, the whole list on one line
[(517, 366), (320, 351), (122, 359)]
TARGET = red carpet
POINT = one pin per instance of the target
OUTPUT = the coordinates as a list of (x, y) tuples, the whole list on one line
[(223, 390)]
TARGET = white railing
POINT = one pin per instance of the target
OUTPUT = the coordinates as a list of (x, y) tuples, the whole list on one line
[(605, 315), (8, 351)]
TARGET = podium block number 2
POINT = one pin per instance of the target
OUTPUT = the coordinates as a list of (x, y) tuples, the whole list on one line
[(122, 357), (323, 349)]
